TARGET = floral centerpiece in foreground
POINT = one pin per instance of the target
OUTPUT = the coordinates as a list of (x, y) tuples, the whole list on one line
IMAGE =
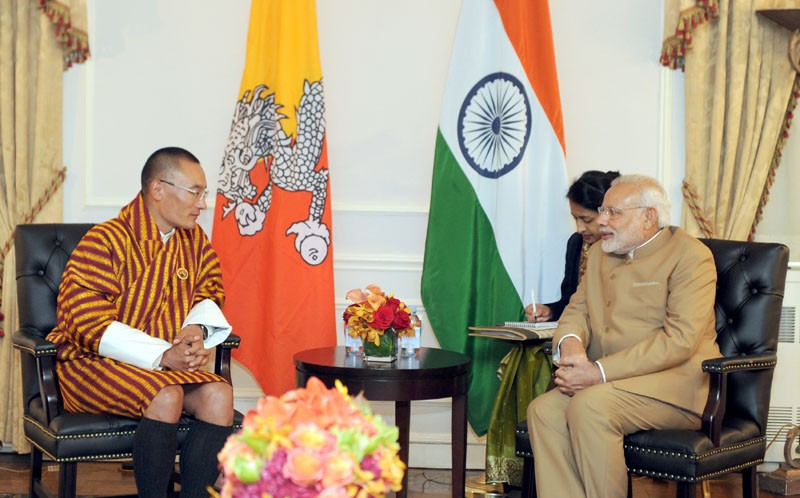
[(312, 442), (378, 319)]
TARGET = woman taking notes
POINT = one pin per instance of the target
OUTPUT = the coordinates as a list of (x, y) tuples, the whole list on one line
[(584, 196)]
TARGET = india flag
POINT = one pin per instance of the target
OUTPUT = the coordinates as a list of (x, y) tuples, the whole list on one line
[(272, 220), (499, 219)]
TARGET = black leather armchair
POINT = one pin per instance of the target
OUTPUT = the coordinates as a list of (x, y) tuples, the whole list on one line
[(42, 251), (751, 278)]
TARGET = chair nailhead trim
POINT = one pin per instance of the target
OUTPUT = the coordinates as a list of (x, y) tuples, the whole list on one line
[(50, 351), (682, 478), (87, 436), (79, 458), (731, 368), (696, 458)]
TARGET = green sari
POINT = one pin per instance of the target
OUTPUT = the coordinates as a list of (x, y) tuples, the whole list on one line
[(526, 375)]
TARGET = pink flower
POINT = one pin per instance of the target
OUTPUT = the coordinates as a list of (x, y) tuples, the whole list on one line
[(303, 466), (340, 470), (337, 492), (311, 437)]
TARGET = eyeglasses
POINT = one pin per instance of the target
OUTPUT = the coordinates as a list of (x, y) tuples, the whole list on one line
[(613, 212), (198, 194)]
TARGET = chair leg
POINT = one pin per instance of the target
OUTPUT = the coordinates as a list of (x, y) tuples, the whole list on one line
[(35, 480), (686, 490), (528, 479), (630, 486), (750, 482), (67, 479)]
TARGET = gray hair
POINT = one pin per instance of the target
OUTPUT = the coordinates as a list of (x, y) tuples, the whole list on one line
[(651, 194)]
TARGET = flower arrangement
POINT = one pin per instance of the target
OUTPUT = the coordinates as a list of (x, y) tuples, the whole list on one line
[(312, 442), (374, 313)]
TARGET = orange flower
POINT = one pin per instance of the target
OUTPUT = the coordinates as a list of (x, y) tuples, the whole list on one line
[(356, 295)]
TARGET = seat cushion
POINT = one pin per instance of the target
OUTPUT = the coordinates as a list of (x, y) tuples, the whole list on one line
[(680, 455), (691, 456), (73, 437)]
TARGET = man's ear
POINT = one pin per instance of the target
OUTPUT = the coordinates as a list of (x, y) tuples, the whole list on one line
[(155, 190), (651, 216)]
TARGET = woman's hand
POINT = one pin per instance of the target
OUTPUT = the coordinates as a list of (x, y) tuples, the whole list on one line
[(543, 313)]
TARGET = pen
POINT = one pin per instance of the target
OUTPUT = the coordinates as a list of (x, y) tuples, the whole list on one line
[(533, 303)]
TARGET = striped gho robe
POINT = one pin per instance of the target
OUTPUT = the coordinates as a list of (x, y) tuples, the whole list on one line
[(121, 270)]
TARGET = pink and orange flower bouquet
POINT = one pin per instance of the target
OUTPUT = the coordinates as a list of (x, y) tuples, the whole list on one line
[(312, 442), (377, 318)]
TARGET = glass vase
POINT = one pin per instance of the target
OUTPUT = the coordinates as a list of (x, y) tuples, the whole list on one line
[(385, 351)]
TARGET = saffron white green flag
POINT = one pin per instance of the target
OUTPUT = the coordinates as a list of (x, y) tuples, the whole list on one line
[(499, 219)]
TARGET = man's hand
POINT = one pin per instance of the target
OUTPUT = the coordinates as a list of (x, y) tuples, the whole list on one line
[(187, 352), (543, 313), (179, 357), (575, 371)]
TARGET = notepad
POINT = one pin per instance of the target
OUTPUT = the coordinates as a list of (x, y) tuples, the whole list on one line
[(516, 331), (532, 325)]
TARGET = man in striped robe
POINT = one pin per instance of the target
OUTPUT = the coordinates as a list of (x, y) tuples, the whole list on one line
[(138, 313)]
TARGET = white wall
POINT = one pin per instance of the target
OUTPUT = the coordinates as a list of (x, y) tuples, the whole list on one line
[(167, 73)]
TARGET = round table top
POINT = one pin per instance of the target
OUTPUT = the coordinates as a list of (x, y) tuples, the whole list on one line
[(436, 373)]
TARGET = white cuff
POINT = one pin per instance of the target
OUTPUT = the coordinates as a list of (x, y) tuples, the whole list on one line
[(124, 343), (557, 349), (603, 372), (207, 312)]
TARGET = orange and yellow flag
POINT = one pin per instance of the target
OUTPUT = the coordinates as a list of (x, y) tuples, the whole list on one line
[(272, 221)]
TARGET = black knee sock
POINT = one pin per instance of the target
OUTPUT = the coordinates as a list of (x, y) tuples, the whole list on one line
[(154, 447), (199, 466)]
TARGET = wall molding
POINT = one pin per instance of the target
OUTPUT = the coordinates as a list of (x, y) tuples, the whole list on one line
[(377, 262)]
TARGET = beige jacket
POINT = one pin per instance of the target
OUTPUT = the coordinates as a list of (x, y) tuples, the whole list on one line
[(649, 319)]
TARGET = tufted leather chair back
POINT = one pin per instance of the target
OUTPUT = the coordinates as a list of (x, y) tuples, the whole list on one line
[(750, 286), (42, 251)]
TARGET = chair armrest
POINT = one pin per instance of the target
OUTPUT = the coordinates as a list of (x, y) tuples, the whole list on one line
[(736, 363), (44, 354), (34, 344), (719, 368), (222, 359), (231, 342)]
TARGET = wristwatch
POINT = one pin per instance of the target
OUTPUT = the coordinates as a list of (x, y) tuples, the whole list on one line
[(205, 331)]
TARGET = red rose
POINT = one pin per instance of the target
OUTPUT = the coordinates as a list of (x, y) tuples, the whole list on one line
[(347, 314), (402, 320), (382, 318), (393, 303)]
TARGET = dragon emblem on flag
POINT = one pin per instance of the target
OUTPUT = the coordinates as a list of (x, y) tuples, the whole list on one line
[(291, 165)]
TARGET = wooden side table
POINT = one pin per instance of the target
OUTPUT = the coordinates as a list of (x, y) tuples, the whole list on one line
[(435, 374)]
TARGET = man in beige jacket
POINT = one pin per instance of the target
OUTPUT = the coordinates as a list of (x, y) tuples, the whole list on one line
[(628, 346)]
